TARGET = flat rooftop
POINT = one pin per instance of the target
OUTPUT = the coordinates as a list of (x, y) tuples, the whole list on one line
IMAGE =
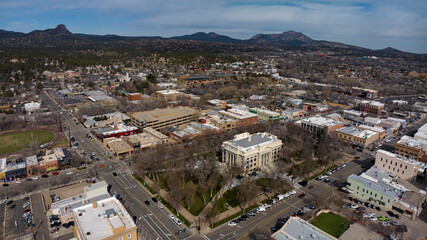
[(237, 113), (163, 114), (320, 121), (296, 228), (100, 222), (356, 132), (247, 142), (412, 142)]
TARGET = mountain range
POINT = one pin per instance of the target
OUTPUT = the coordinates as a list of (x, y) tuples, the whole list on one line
[(61, 36)]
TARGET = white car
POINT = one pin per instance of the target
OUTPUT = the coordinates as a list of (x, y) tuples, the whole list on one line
[(261, 209), (2, 201), (385, 224), (35, 178), (69, 173), (171, 216), (160, 205), (17, 181), (177, 221), (354, 206), (373, 218), (25, 205), (232, 224)]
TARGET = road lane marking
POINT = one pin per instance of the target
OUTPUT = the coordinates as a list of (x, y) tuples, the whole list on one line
[(152, 228), (146, 208), (270, 218), (149, 216)]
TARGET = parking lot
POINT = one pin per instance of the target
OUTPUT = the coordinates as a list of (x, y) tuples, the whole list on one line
[(15, 225)]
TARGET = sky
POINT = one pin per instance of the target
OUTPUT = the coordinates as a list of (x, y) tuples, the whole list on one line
[(374, 24)]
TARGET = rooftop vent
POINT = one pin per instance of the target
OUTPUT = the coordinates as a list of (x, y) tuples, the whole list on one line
[(88, 233), (301, 237), (312, 235)]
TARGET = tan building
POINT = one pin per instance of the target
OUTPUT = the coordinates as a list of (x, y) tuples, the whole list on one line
[(169, 95), (265, 114), (412, 148), (356, 136), (104, 219), (149, 137), (217, 104), (118, 146), (371, 107), (317, 123), (251, 151), (158, 119), (223, 124), (396, 164), (379, 130)]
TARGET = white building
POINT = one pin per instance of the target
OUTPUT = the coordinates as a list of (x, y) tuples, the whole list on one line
[(251, 151), (422, 133), (317, 123), (297, 228), (104, 219), (30, 108)]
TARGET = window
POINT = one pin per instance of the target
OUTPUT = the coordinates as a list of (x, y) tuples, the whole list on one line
[(381, 197), (129, 236), (406, 167), (403, 172), (121, 238), (375, 195), (357, 187)]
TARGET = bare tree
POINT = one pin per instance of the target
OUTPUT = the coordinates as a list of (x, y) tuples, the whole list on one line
[(189, 193), (247, 191)]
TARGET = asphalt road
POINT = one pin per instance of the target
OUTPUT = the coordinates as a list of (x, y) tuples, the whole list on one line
[(153, 222)]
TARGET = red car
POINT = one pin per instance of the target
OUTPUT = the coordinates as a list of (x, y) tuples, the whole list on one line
[(301, 195), (55, 173)]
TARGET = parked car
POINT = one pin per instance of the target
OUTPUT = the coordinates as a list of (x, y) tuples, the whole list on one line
[(177, 221), (147, 203), (383, 218), (232, 224), (160, 205), (45, 176), (171, 216), (302, 195), (55, 173), (327, 180)]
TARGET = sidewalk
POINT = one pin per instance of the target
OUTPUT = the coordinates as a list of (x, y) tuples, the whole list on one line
[(184, 212)]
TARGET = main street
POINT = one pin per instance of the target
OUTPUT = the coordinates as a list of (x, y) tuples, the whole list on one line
[(153, 222)]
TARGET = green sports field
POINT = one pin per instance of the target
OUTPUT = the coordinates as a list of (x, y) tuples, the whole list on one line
[(12, 142)]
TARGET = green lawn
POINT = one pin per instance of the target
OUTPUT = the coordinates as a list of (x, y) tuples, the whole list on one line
[(13, 142), (330, 223)]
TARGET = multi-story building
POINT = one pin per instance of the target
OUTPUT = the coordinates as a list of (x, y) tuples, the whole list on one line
[(243, 118), (363, 138), (94, 192), (364, 93), (379, 130), (168, 117), (396, 164), (222, 123), (149, 137), (217, 104), (32, 165), (318, 123), (412, 148), (10, 171), (251, 151), (421, 133), (265, 114), (380, 188), (371, 107), (104, 219), (169, 95), (48, 163), (292, 114), (134, 97)]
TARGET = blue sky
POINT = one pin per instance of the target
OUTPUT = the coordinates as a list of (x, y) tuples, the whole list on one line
[(373, 24)]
